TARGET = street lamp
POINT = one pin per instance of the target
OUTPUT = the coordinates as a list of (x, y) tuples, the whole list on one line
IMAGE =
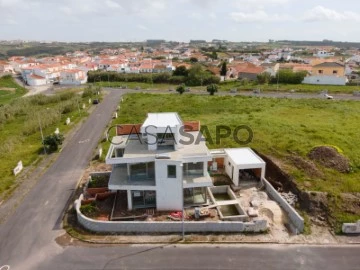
[(183, 203)]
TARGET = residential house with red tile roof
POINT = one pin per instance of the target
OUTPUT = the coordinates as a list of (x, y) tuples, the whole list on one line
[(244, 71)]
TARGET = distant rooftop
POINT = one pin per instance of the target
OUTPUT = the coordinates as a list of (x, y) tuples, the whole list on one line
[(162, 120), (329, 64)]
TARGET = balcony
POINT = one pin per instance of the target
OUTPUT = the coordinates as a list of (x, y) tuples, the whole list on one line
[(120, 180), (191, 181)]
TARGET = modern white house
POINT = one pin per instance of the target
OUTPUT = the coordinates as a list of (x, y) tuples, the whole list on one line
[(157, 166)]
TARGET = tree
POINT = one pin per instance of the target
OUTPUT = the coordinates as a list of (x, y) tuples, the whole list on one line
[(223, 70), (263, 78), (180, 71), (197, 75), (214, 55), (180, 89), (52, 142), (194, 60), (212, 88)]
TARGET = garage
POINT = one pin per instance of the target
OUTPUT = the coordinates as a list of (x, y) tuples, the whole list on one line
[(243, 165)]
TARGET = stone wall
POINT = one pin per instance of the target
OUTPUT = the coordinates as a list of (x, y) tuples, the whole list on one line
[(295, 218), (167, 226)]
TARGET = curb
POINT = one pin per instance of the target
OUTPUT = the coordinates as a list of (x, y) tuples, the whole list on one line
[(210, 242)]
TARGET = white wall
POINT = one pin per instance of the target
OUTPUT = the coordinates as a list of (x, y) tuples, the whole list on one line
[(36, 82), (169, 195), (325, 80)]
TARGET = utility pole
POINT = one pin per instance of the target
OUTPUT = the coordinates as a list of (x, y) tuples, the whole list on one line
[(183, 202)]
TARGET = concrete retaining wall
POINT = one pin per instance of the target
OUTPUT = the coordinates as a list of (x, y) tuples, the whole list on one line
[(166, 227), (295, 218)]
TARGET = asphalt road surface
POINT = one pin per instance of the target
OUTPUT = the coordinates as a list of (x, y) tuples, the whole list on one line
[(27, 238), (265, 94)]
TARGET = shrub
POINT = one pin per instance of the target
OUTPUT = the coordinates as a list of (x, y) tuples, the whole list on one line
[(52, 142), (180, 89), (89, 210)]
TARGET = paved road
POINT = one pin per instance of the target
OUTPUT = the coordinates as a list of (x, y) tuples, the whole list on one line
[(251, 94), (27, 237), (253, 257)]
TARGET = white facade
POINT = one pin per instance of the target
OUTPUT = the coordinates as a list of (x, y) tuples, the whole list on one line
[(323, 54), (159, 167), (237, 159), (325, 80), (34, 80), (73, 77)]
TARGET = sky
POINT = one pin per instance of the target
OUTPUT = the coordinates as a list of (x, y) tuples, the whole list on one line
[(179, 20)]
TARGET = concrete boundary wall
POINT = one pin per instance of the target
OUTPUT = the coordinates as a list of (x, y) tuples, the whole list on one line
[(166, 227), (295, 218)]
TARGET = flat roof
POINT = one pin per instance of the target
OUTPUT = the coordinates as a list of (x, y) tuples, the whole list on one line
[(139, 149), (244, 156), (163, 120)]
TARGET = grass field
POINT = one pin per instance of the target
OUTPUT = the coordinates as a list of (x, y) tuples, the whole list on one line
[(9, 89), (20, 129), (282, 128), (304, 88)]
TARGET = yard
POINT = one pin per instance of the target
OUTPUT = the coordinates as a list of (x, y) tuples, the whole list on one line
[(303, 88), (285, 130), (20, 137), (9, 89)]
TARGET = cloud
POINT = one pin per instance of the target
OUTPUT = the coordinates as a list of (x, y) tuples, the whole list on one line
[(112, 4), (142, 27), (257, 16), (145, 8), (320, 13), (258, 4)]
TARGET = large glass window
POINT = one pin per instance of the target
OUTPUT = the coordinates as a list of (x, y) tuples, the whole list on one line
[(143, 199), (142, 171), (171, 171), (194, 196), (193, 169)]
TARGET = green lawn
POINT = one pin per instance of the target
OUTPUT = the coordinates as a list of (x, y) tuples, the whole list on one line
[(20, 133), (304, 88), (9, 89), (282, 128), (144, 86)]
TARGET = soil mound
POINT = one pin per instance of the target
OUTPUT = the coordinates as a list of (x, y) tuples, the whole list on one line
[(306, 165), (329, 157)]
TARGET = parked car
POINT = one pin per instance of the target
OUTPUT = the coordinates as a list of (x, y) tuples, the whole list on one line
[(233, 90), (256, 91), (96, 101), (187, 89)]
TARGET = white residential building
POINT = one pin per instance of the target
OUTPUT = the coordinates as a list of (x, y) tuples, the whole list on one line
[(73, 77), (157, 168), (323, 54)]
